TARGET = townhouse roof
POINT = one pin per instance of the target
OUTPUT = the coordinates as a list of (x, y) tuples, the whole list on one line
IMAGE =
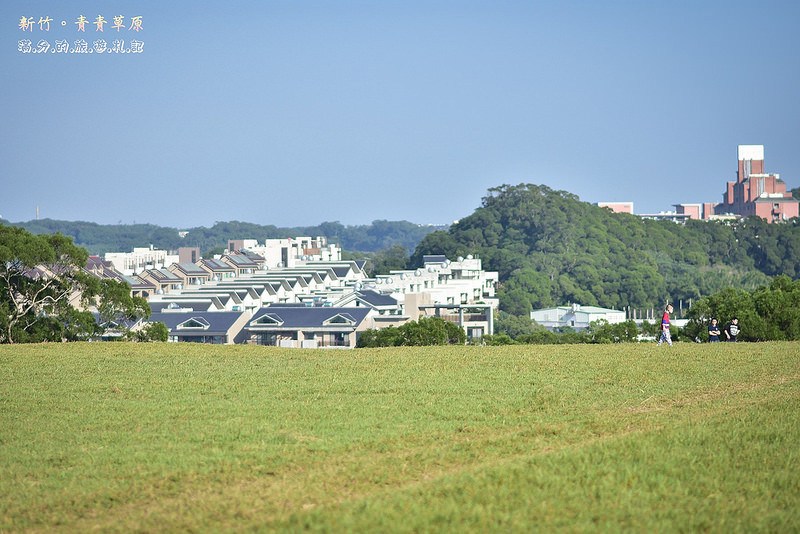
[(321, 272), (255, 289), (197, 322), (163, 275), (341, 272), (377, 299), (96, 266), (98, 262), (217, 266), (242, 261), (135, 282), (191, 268), (116, 322), (252, 255), (288, 317)]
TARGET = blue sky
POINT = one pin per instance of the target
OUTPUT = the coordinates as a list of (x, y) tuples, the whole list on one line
[(298, 112)]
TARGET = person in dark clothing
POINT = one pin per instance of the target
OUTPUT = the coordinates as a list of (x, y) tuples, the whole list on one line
[(732, 330), (713, 331)]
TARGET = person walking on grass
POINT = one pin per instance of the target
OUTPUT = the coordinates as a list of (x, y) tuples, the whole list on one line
[(665, 336), (732, 330)]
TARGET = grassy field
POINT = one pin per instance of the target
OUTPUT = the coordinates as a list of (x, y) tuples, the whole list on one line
[(181, 437)]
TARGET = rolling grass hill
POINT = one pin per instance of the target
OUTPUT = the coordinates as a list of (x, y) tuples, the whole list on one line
[(181, 437)]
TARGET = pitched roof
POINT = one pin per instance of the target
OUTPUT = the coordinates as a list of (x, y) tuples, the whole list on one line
[(217, 265), (252, 255), (241, 261), (341, 272), (191, 268), (377, 299), (218, 322), (164, 275), (135, 282), (309, 317)]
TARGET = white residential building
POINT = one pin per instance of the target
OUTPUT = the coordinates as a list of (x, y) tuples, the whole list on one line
[(141, 259), (290, 251), (458, 291), (575, 316)]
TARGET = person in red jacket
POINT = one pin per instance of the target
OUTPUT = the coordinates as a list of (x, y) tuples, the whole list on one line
[(665, 326)]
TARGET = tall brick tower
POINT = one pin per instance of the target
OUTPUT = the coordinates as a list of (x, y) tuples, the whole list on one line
[(756, 192)]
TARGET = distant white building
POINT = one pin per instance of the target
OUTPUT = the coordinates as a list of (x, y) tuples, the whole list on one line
[(575, 316), (462, 281), (291, 251), (141, 259)]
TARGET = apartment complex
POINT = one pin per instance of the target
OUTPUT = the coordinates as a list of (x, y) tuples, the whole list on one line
[(303, 295)]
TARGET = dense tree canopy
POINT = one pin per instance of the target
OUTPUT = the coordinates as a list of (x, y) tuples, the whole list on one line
[(771, 312), (99, 239), (425, 331), (551, 249), (41, 284)]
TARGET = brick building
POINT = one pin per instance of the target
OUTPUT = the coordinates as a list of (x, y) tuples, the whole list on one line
[(756, 192)]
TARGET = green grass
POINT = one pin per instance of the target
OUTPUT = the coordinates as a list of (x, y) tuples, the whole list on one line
[(181, 437)]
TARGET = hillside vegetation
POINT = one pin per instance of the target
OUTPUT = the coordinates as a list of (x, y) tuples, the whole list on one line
[(551, 249), (102, 238), (184, 437)]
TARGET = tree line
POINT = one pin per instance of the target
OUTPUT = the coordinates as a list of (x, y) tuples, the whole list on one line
[(767, 313), (99, 239)]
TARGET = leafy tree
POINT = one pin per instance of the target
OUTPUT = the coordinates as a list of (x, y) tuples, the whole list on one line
[(652, 329), (439, 242), (157, 331), (779, 305), (425, 331), (514, 325), (38, 275), (432, 331), (41, 282), (354, 255), (770, 312), (114, 302), (391, 336), (603, 332), (393, 258)]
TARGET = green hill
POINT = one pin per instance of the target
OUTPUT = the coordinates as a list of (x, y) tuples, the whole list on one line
[(551, 249)]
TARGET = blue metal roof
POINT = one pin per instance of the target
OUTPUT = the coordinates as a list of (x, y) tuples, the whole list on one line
[(377, 299), (219, 322), (310, 317)]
